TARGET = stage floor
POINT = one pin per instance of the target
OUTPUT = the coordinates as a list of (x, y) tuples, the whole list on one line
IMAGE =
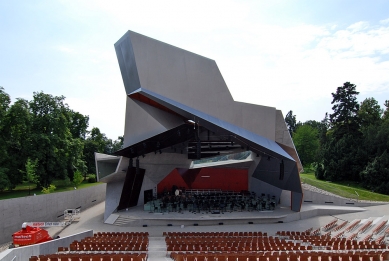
[(137, 216)]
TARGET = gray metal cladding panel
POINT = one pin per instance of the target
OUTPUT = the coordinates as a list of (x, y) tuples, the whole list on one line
[(106, 167), (204, 118), (293, 182), (144, 121), (127, 64), (268, 170), (296, 201), (180, 75)]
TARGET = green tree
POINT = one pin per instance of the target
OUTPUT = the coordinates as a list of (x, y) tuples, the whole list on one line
[(376, 174), (343, 158), (50, 136), (117, 144), (290, 121), (314, 124), (344, 118), (78, 124), (385, 116), (30, 173), (323, 140), (5, 101), (342, 155), (370, 112), (4, 181), (77, 178), (18, 122), (306, 140), (95, 142)]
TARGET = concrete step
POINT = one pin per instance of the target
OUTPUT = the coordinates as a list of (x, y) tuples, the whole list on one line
[(123, 220), (157, 249)]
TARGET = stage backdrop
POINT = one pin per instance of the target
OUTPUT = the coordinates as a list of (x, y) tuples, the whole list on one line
[(205, 178)]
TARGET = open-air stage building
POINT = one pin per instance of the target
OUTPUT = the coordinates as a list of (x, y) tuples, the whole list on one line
[(183, 130)]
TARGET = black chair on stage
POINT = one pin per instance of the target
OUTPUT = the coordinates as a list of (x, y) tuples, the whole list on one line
[(206, 207), (263, 205), (232, 205), (272, 205), (163, 206), (155, 208), (222, 207), (242, 206)]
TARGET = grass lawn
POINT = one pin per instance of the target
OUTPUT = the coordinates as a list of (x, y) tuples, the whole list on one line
[(23, 191), (344, 189)]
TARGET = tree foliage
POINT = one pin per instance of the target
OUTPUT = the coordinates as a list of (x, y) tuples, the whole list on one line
[(306, 140), (5, 101), (49, 189), (4, 181), (30, 172), (376, 174), (370, 112), (77, 178), (344, 118), (18, 120), (354, 141), (55, 136), (385, 117), (290, 120)]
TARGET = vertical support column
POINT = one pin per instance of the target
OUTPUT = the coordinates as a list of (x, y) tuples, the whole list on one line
[(127, 186), (297, 199), (136, 185), (137, 166)]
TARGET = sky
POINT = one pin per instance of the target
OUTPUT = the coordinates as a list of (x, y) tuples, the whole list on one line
[(286, 54)]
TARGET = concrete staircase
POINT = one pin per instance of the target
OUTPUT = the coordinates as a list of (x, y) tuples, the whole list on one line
[(157, 249), (123, 220)]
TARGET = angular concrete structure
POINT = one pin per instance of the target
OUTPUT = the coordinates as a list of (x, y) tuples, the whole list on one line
[(179, 109)]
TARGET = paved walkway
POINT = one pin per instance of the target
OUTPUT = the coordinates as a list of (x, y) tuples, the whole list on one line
[(92, 218)]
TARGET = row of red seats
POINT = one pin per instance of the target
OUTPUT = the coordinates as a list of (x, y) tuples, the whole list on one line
[(91, 257)]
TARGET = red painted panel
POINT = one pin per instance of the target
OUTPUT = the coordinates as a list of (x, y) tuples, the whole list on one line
[(174, 178), (190, 176), (224, 179), (206, 178)]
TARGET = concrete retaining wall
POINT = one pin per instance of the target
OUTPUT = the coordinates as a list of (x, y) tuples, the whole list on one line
[(312, 197), (49, 207), (51, 247)]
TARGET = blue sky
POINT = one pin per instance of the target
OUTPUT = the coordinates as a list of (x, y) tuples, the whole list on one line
[(286, 54)]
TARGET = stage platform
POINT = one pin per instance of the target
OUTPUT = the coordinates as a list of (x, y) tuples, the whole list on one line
[(138, 217)]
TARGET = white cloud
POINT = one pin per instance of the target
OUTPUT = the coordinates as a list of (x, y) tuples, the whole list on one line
[(359, 26), (302, 64), (65, 49), (283, 66), (385, 21)]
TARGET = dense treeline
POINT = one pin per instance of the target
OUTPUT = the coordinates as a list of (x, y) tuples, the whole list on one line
[(48, 136), (350, 144)]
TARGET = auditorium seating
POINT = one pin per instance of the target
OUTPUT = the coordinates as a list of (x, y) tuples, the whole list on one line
[(91, 257), (258, 246), (103, 246), (112, 241)]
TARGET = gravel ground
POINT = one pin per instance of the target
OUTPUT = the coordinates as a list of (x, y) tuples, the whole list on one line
[(315, 189)]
